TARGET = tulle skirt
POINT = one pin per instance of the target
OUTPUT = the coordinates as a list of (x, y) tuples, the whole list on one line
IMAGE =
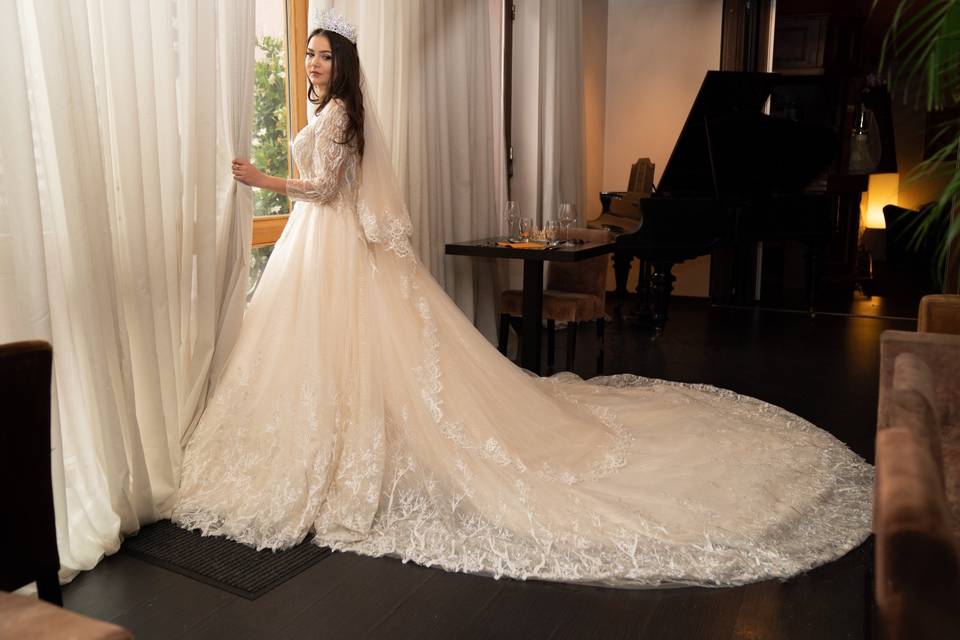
[(360, 404)]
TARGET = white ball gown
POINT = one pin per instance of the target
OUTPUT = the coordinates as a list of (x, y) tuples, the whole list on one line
[(361, 405)]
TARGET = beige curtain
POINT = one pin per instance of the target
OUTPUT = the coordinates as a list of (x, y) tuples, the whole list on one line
[(548, 121), (124, 241)]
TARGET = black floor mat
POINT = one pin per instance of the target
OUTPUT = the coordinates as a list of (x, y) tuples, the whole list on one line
[(220, 562)]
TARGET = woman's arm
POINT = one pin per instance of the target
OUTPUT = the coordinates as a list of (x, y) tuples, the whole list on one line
[(249, 175), (329, 159)]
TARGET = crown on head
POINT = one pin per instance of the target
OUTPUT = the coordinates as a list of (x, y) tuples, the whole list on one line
[(330, 20)]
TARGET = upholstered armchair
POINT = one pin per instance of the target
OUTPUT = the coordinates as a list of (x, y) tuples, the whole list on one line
[(917, 494), (575, 293), (28, 540)]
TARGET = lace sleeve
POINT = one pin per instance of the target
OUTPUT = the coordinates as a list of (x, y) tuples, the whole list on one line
[(329, 158)]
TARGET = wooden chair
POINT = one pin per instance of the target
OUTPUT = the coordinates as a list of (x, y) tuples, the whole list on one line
[(576, 292), (28, 538)]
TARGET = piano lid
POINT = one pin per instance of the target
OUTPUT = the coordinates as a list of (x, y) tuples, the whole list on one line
[(729, 147)]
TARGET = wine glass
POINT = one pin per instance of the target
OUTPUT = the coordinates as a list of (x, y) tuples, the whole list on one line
[(551, 232), (511, 213), (526, 226), (567, 215)]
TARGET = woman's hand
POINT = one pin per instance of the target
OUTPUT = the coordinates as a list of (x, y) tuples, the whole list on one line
[(246, 173)]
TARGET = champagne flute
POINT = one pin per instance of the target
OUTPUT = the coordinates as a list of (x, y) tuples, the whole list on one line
[(567, 215), (511, 213)]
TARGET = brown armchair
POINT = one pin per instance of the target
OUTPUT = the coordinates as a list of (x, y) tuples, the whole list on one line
[(28, 539), (917, 494), (939, 313), (576, 292)]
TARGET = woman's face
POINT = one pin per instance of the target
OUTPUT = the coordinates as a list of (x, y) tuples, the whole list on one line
[(319, 63)]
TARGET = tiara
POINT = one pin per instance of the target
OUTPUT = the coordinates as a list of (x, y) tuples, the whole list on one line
[(330, 20)]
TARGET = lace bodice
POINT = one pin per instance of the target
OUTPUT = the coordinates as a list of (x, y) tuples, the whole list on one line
[(328, 168)]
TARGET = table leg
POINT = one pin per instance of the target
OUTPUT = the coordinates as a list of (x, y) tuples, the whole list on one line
[(532, 312)]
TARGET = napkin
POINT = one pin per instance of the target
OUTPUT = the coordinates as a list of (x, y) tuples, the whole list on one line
[(522, 245)]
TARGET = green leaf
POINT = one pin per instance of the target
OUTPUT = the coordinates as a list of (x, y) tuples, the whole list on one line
[(920, 59), (269, 151)]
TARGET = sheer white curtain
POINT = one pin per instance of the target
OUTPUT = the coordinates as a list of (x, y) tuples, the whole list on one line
[(124, 241), (434, 68), (548, 121)]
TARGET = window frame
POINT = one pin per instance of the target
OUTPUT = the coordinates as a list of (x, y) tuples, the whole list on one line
[(267, 229)]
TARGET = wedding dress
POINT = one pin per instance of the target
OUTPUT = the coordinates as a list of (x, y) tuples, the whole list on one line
[(360, 404)]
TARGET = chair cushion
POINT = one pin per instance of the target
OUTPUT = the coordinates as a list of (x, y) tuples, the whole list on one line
[(557, 305)]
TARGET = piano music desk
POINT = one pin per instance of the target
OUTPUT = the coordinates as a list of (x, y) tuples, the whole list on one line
[(533, 260)]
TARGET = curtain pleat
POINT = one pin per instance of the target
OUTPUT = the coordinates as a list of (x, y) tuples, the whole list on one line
[(130, 240), (548, 122)]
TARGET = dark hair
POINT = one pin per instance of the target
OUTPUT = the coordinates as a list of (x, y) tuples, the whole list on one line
[(344, 85)]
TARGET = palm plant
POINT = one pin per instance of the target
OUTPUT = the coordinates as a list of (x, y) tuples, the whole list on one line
[(921, 61)]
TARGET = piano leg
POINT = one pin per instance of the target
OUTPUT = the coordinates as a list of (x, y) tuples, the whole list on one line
[(621, 270), (661, 284), (643, 287)]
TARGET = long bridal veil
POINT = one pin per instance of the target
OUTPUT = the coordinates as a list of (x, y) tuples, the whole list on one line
[(381, 207)]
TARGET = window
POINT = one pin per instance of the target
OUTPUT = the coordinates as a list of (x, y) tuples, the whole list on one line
[(270, 149), (279, 83)]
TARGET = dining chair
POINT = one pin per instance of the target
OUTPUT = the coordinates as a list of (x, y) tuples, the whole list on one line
[(575, 293)]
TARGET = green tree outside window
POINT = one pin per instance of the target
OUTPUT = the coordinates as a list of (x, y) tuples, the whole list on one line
[(270, 123)]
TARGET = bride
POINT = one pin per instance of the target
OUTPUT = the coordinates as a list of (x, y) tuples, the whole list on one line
[(360, 404)]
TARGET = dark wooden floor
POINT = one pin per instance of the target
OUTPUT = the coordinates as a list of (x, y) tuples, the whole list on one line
[(822, 368)]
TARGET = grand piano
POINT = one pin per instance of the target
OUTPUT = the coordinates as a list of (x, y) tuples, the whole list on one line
[(736, 176)]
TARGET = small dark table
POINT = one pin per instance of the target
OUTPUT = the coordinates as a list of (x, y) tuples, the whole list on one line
[(533, 260)]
